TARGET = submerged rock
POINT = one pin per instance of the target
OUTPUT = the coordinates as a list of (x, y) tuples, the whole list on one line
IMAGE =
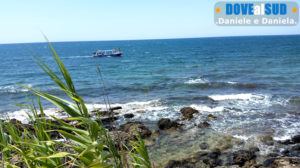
[(242, 156), (136, 127), (166, 123), (187, 112)]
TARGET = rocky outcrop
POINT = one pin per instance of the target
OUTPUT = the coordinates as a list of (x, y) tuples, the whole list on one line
[(133, 128), (187, 112), (166, 123)]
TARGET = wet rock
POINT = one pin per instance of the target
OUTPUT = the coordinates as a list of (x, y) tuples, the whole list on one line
[(296, 139), (203, 125), (273, 155), (166, 123), (211, 117), (242, 156), (187, 112), (286, 142), (136, 127), (129, 115)]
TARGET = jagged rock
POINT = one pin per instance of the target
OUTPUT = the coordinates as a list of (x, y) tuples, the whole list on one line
[(187, 112), (129, 115), (166, 123), (136, 127)]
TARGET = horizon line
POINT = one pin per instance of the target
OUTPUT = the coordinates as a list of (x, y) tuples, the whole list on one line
[(151, 39)]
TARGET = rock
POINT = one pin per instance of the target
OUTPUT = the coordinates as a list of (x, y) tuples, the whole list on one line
[(295, 150), (286, 142), (283, 162), (107, 120), (296, 139), (267, 140), (166, 123), (187, 112), (204, 125), (136, 127), (140, 111), (129, 115), (121, 138), (210, 117), (242, 156)]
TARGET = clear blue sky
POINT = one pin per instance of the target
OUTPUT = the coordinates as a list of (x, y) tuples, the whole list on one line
[(84, 20)]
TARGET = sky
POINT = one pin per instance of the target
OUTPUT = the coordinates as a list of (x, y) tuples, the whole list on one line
[(96, 20)]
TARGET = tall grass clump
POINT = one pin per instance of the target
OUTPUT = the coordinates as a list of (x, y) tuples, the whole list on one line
[(84, 144)]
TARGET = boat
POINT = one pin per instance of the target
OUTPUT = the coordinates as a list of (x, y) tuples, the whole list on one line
[(108, 53)]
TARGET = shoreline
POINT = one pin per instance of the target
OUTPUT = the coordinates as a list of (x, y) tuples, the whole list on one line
[(172, 141)]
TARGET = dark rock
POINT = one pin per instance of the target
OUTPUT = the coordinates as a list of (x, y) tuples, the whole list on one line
[(286, 142), (285, 152), (129, 115), (187, 112), (210, 117), (242, 156), (254, 149), (136, 127), (115, 108), (107, 120), (166, 123), (179, 164), (204, 125), (296, 139)]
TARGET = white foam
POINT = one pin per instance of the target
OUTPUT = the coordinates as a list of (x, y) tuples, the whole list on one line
[(229, 82), (152, 110), (243, 96), (13, 89), (194, 81), (206, 108)]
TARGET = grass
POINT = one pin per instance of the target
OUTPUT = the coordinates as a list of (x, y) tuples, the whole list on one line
[(86, 144)]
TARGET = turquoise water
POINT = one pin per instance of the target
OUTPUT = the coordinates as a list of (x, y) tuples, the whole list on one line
[(251, 83)]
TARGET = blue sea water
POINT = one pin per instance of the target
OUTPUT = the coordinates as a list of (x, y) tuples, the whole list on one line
[(252, 84)]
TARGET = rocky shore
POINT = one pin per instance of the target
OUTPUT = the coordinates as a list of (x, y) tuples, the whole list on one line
[(198, 146)]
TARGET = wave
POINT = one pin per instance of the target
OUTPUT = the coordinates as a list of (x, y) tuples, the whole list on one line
[(145, 110), (206, 108), (242, 96), (195, 81), (13, 89)]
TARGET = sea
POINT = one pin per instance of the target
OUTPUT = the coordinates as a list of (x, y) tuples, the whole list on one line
[(251, 84)]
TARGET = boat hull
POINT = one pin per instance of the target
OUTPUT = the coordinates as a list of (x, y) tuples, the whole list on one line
[(108, 55)]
